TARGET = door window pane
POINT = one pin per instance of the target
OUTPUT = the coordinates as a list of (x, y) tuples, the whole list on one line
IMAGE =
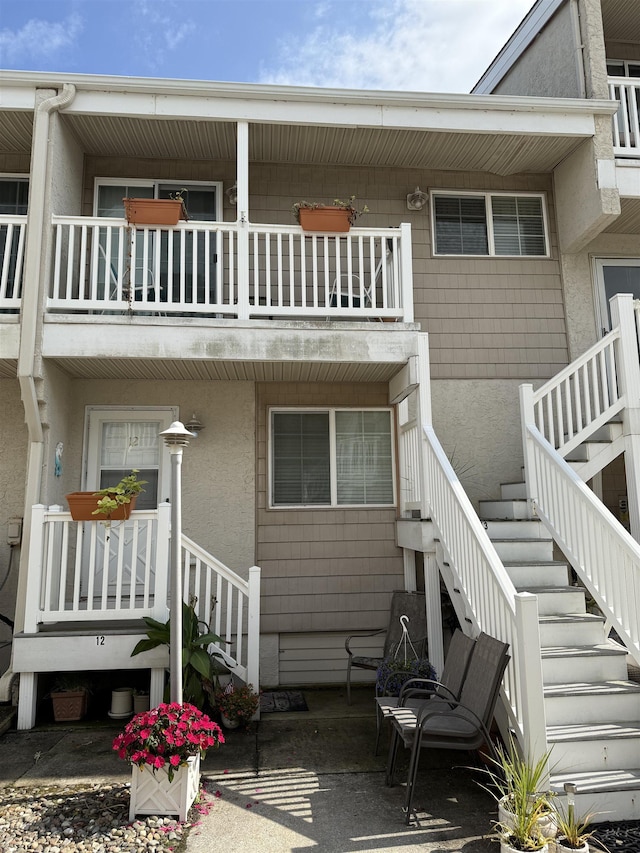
[(14, 196), (129, 445)]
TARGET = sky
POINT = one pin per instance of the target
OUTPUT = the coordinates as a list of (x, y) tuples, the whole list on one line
[(403, 45)]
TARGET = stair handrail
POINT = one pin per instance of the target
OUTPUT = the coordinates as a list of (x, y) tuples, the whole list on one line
[(491, 599), (197, 560), (604, 555)]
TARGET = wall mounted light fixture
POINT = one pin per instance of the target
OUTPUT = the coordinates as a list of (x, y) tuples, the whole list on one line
[(417, 199), (194, 425), (232, 194)]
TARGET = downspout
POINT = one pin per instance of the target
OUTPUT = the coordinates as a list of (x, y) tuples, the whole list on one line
[(579, 49), (31, 306)]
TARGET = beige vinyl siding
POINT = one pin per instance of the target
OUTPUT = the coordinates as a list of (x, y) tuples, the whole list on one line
[(323, 569), (490, 317), (321, 658)]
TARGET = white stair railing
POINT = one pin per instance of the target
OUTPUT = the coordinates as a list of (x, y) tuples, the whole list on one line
[(626, 125), (228, 604), (82, 571), (12, 240), (604, 555), (490, 598)]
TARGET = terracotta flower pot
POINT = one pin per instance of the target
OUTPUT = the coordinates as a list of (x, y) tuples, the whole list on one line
[(336, 219), (154, 211), (82, 505), (69, 705)]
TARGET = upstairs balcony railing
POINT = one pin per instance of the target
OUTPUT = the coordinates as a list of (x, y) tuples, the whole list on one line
[(229, 269), (626, 126), (12, 236)]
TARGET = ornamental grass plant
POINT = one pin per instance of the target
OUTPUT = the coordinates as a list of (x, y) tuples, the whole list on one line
[(167, 736)]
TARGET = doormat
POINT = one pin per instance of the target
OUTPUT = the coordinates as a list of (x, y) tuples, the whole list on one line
[(282, 700)]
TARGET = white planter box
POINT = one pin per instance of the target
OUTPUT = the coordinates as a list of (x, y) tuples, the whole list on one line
[(152, 793)]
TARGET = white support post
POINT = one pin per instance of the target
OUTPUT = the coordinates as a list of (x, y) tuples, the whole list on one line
[(161, 580), (622, 315), (530, 676), (253, 629), (156, 687), (27, 700), (409, 564), (424, 417), (242, 183), (527, 417), (434, 612), (34, 570), (406, 266)]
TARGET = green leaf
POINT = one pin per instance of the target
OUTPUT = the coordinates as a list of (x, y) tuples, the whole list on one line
[(207, 639), (201, 662), (145, 646)]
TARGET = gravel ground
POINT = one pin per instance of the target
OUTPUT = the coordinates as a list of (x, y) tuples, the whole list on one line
[(92, 819)]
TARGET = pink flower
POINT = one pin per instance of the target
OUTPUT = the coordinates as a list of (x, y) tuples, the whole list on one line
[(175, 760)]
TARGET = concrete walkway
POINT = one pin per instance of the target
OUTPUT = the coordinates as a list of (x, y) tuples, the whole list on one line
[(298, 782)]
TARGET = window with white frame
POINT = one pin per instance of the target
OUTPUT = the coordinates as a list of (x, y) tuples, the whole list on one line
[(331, 457), (497, 224)]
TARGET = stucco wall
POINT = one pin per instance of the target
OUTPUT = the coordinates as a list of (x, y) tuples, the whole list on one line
[(218, 467), (548, 67), (478, 424), (323, 569), (13, 437)]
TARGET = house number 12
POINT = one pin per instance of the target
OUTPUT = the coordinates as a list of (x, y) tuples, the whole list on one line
[(99, 641)]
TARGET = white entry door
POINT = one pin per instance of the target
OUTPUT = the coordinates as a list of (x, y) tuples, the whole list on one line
[(117, 441)]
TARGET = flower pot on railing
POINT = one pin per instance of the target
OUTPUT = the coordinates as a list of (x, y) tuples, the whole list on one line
[(154, 211), (83, 504), (334, 219)]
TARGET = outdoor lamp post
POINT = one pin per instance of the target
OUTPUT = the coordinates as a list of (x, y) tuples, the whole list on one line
[(175, 438)]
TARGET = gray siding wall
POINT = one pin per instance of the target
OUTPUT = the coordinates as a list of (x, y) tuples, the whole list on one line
[(323, 569)]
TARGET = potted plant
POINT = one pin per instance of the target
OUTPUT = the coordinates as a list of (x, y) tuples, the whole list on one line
[(156, 211), (517, 785), (70, 697), (338, 217), (573, 829), (198, 672), (237, 705), (164, 747), (113, 503), (393, 672)]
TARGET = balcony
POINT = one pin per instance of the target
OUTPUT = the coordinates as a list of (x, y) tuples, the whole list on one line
[(229, 270), (12, 238), (626, 127)]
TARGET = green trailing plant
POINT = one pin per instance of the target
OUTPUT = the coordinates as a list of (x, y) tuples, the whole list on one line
[(393, 672), (71, 682), (197, 664), (112, 497), (349, 205)]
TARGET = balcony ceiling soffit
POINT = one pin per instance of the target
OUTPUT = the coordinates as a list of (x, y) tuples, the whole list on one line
[(501, 154), (165, 369), (621, 20), (629, 220), (16, 131)]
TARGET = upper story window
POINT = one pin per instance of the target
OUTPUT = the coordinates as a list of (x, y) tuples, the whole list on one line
[(14, 196), (489, 224), (331, 457), (623, 68)]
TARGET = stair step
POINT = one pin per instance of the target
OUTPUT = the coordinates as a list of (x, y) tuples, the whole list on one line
[(579, 628), (513, 491), (587, 450), (516, 529), (602, 662), (559, 601), (589, 702), (592, 747), (524, 550), (505, 509), (543, 574), (616, 793)]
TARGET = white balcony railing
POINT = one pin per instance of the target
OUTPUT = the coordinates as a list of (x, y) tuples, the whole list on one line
[(12, 236), (626, 126), (229, 269)]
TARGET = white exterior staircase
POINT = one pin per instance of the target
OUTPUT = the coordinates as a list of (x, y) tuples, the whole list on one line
[(592, 710)]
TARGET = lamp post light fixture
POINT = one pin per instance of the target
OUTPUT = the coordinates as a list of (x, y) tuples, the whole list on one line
[(176, 437)]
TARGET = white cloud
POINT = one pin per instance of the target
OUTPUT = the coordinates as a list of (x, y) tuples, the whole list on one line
[(414, 45), (38, 38), (160, 27)]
